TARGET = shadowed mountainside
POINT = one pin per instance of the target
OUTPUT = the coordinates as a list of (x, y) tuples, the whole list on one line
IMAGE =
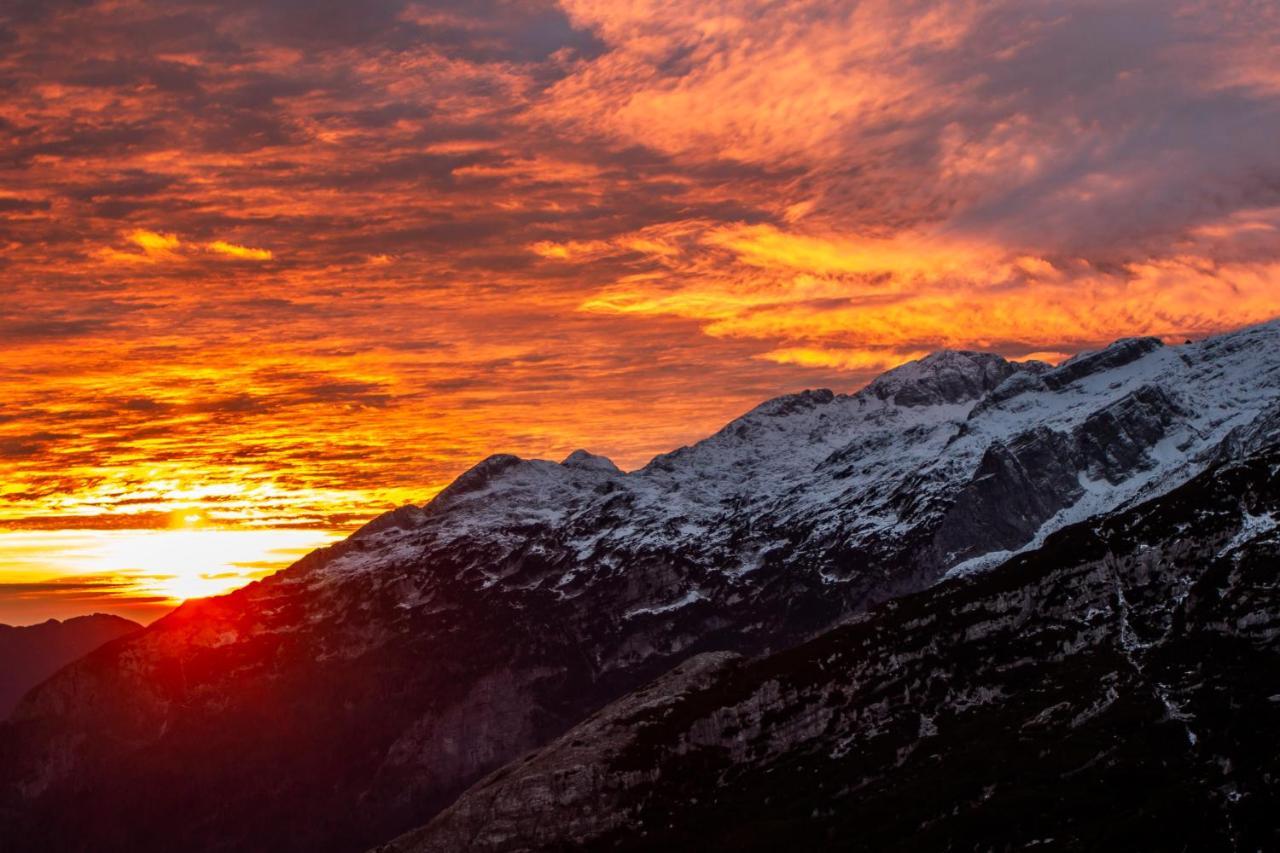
[(1117, 688), (30, 654)]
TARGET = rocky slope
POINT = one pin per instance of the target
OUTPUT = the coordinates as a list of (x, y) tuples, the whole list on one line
[(30, 654), (1117, 688), (396, 668)]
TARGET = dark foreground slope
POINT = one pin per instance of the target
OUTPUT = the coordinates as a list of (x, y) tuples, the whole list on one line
[(30, 654), (1119, 688)]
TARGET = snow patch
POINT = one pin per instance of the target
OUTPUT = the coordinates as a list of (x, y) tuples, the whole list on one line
[(684, 601), (1251, 527)]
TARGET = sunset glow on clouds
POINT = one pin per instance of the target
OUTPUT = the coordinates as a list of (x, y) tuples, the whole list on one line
[(287, 264)]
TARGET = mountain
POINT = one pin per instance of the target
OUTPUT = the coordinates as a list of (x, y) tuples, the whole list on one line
[(32, 653), (357, 693), (1116, 688)]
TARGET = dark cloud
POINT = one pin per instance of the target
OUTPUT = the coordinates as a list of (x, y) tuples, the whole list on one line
[(484, 31), (81, 140), (168, 77), (19, 12), (19, 205), (13, 448), (91, 587), (26, 331), (129, 184), (1120, 90)]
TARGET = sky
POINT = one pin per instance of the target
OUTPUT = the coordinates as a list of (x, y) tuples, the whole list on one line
[(269, 268)]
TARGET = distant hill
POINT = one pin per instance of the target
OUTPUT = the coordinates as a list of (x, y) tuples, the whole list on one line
[(30, 654)]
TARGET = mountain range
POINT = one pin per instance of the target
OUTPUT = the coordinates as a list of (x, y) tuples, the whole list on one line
[(31, 653), (922, 615)]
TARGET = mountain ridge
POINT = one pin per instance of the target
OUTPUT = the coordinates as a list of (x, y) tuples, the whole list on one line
[(439, 642), (31, 653)]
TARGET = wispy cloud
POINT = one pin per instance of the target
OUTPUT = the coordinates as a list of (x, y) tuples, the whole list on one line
[(245, 253)]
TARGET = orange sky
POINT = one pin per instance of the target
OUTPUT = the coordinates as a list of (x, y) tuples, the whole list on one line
[(269, 268)]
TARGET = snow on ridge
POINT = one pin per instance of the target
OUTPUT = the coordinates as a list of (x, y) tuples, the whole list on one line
[(946, 376), (831, 463)]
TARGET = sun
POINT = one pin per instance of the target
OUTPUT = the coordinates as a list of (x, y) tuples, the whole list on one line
[(149, 571), (195, 558), (187, 518)]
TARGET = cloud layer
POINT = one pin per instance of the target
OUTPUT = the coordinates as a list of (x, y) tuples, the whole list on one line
[(293, 262)]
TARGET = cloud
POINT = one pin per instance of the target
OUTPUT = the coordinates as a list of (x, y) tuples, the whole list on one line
[(159, 248), (239, 252), (89, 587), (1060, 126), (14, 331), (13, 205), (154, 244), (155, 248), (862, 361)]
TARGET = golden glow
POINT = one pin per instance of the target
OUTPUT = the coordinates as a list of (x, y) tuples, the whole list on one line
[(155, 245), (243, 252), (181, 564), (138, 573), (853, 359)]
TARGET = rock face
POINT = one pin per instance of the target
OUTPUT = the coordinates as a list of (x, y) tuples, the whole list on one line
[(1117, 688), (30, 654), (1024, 481), (949, 376), (394, 669)]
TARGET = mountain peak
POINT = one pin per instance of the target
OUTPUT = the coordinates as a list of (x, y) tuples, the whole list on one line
[(946, 376), (475, 478), (586, 461), (789, 404)]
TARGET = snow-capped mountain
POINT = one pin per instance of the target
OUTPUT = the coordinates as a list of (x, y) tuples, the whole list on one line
[(939, 444), (437, 643), (1116, 688)]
